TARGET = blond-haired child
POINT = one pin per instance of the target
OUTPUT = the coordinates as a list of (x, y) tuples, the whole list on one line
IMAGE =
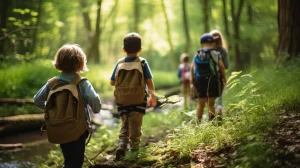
[(70, 60), (221, 47)]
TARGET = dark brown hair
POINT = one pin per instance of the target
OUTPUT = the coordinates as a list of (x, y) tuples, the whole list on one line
[(70, 58), (132, 42)]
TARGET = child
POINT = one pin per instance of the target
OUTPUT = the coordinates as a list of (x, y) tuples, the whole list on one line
[(71, 60), (222, 49), (184, 76), (130, 111), (205, 66)]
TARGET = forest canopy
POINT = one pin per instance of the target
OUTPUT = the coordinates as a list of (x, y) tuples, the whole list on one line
[(35, 29)]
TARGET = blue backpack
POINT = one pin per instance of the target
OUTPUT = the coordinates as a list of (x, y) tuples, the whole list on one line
[(206, 61)]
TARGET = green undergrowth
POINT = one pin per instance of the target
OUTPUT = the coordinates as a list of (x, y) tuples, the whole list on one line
[(251, 104), (25, 79)]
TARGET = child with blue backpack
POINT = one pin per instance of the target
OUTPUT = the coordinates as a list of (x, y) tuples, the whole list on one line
[(206, 65)]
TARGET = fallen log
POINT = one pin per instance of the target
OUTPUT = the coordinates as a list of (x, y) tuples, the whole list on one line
[(4, 147), (16, 101), (19, 123)]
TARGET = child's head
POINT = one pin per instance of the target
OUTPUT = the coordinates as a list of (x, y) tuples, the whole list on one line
[(132, 43), (70, 58), (207, 40), (184, 58), (219, 39)]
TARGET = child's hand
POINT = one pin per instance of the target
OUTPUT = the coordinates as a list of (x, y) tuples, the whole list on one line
[(191, 86), (152, 100), (224, 81)]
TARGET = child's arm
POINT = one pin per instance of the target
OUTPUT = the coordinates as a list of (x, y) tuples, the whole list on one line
[(152, 99), (40, 97), (90, 96), (222, 70)]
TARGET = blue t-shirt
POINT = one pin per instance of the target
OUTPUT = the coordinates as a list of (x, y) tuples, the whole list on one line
[(146, 68)]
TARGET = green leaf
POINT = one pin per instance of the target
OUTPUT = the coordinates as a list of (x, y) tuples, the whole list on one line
[(12, 19), (33, 13)]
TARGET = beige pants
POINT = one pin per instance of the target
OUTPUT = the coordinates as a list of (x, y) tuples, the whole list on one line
[(131, 130)]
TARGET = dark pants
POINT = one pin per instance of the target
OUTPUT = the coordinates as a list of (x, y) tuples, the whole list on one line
[(74, 152), (207, 86)]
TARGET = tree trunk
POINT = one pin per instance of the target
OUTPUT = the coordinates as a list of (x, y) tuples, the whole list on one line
[(248, 41), (225, 18), (86, 18), (238, 62), (205, 8), (136, 16), (3, 16), (186, 27), (168, 31), (94, 54), (34, 37), (289, 30)]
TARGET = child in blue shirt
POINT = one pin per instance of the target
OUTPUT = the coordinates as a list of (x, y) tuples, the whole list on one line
[(132, 115), (205, 68)]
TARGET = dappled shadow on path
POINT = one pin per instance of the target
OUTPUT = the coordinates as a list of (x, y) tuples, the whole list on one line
[(285, 138)]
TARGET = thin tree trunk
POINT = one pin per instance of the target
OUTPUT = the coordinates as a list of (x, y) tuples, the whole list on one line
[(289, 30), (205, 8), (4, 9), (239, 62), (37, 24), (86, 18), (113, 25), (168, 31), (136, 15), (225, 18), (248, 41), (186, 27), (94, 55)]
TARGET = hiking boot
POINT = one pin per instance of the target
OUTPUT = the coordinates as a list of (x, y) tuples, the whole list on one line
[(120, 153)]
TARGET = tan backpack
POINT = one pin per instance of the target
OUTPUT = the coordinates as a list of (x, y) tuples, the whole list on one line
[(65, 118), (130, 87)]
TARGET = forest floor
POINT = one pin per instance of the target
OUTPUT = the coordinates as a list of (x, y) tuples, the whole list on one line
[(284, 140)]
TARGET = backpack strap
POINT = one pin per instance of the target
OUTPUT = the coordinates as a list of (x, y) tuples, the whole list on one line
[(77, 79), (53, 82), (122, 60), (214, 55)]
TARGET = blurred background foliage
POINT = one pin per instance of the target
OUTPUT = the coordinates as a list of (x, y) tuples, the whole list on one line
[(35, 29)]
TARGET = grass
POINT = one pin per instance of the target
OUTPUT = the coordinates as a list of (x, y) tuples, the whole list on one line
[(253, 100)]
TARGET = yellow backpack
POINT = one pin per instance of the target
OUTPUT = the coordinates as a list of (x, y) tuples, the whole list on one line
[(130, 87), (65, 118)]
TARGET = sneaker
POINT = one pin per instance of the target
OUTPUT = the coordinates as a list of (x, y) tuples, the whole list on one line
[(120, 153)]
